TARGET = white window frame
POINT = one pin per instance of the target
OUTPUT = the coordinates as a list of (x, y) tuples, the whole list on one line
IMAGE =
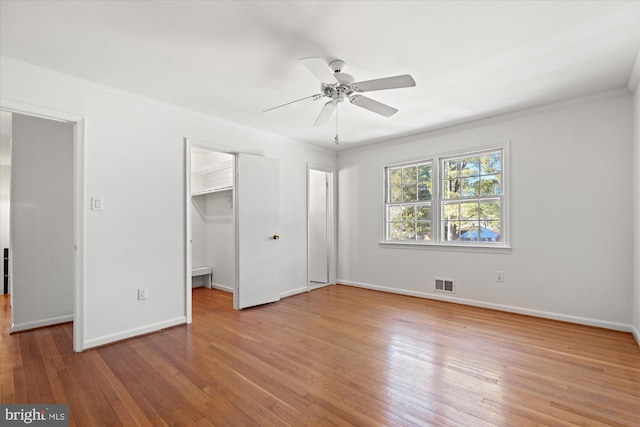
[(436, 241)]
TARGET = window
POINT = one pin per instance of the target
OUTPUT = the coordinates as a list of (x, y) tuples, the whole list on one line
[(455, 200), (408, 206)]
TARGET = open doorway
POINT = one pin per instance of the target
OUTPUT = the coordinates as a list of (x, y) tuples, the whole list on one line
[(43, 207), (320, 227), (253, 203), (212, 219), (5, 187)]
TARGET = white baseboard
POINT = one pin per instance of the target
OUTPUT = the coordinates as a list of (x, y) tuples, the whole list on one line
[(313, 286), (501, 307), (293, 292), (17, 327), (108, 339), (222, 287)]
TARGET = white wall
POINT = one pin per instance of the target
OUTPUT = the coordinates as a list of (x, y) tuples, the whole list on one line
[(41, 222), (213, 235), (219, 235), (138, 239), (571, 186), (636, 210)]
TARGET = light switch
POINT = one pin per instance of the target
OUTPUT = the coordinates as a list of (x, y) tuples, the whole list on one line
[(96, 203)]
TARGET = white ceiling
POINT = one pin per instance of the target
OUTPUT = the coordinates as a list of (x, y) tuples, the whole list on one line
[(234, 59)]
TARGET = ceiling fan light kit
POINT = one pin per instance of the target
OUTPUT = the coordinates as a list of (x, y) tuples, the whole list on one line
[(336, 86)]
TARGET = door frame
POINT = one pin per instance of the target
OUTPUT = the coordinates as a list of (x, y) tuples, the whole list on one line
[(331, 219), (212, 146), (79, 136)]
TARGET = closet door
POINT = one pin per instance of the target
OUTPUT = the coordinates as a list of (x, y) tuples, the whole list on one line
[(257, 221)]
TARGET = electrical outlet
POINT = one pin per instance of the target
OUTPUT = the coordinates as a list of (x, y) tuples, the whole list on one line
[(499, 276), (142, 294)]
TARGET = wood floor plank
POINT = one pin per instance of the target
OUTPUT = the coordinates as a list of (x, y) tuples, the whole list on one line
[(336, 356)]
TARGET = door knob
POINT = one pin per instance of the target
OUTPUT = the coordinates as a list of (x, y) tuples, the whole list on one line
[(276, 237)]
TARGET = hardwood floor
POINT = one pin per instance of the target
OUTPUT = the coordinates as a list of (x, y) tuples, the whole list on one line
[(335, 356)]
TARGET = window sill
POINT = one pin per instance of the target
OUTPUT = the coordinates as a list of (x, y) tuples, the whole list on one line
[(446, 247)]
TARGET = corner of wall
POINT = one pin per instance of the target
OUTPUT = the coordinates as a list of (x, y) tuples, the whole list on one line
[(634, 86)]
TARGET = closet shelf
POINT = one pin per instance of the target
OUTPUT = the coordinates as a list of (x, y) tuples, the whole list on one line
[(212, 190)]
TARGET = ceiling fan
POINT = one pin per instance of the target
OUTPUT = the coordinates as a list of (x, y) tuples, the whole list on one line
[(337, 86)]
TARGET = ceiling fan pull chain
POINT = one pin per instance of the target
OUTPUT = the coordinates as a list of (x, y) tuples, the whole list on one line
[(336, 139)]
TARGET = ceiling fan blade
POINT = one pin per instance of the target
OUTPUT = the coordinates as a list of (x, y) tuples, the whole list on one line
[(371, 105), (325, 113), (320, 69), (394, 82), (318, 96)]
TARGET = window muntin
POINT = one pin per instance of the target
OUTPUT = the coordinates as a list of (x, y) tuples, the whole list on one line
[(467, 205)]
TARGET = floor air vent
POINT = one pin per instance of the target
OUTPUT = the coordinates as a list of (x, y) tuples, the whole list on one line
[(444, 285)]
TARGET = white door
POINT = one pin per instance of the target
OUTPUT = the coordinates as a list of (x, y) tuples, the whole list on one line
[(258, 241), (318, 227)]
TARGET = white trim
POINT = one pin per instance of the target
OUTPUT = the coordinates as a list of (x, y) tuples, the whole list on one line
[(188, 239), (17, 327), (223, 288), (446, 247), (634, 76), (320, 285), (293, 292), (79, 223), (500, 307), (130, 333), (19, 107)]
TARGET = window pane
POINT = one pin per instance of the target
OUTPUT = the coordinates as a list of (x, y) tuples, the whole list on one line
[(409, 175), (395, 194), (423, 230), (470, 166), (394, 213), (395, 176), (394, 231), (424, 191), (490, 231), (490, 210), (408, 213), (451, 188), (451, 169), (470, 187), (423, 212), (469, 231), (410, 193), (408, 230), (491, 163), (424, 173), (450, 231), (450, 211), (491, 185), (469, 211)]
